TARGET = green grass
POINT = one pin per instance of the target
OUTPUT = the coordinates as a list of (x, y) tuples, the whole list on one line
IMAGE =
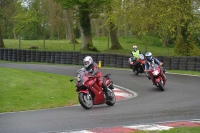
[(101, 43), (175, 130), (29, 90)]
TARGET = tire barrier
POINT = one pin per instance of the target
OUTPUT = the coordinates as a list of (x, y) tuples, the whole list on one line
[(175, 63), (14, 55), (119, 61), (94, 57), (125, 61), (38, 56), (106, 60), (69, 57), (28, 56), (23, 55), (80, 58), (160, 58), (43, 56), (33, 55), (63, 58), (5, 54), (57, 57), (10, 51), (192, 62), (48, 56), (52, 60), (1, 54), (182, 63), (18, 55), (100, 57), (112, 60), (75, 58), (167, 63), (198, 64)]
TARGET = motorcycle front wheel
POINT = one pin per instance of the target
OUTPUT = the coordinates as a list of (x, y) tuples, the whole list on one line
[(85, 100), (160, 85), (112, 100)]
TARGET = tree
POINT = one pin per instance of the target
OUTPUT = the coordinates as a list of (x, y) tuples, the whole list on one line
[(84, 8), (167, 18), (3, 5)]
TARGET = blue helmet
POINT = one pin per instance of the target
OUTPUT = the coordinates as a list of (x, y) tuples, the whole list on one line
[(148, 56)]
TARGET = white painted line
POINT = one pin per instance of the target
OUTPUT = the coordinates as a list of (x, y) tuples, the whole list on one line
[(149, 127)]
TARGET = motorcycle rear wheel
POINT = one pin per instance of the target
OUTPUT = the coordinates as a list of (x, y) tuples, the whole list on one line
[(85, 100), (112, 100), (160, 85)]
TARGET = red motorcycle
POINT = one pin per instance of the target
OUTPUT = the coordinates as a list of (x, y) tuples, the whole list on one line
[(139, 65), (157, 76), (89, 93)]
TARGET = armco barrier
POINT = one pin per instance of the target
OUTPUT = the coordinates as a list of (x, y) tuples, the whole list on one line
[(112, 60)]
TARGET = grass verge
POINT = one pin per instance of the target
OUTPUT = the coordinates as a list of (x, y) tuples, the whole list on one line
[(29, 90)]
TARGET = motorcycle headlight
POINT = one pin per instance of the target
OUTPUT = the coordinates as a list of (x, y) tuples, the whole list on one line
[(155, 72), (78, 77)]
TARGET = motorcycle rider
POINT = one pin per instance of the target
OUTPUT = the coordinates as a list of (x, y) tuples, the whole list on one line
[(149, 60), (93, 68), (135, 55)]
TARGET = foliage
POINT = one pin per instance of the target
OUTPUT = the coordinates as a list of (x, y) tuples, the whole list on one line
[(164, 17)]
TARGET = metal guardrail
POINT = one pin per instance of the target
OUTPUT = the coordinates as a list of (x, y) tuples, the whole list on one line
[(112, 60)]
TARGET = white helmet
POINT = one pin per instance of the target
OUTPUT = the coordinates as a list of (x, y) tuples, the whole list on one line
[(135, 47), (87, 61), (148, 56)]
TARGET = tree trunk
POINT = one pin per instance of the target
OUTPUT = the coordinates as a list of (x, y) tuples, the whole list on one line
[(86, 34), (86, 40), (1, 39), (70, 27), (113, 35)]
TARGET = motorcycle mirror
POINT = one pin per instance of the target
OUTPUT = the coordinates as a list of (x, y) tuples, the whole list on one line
[(71, 80)]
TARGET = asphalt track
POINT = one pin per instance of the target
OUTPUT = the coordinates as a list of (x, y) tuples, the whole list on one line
[(180, 101)]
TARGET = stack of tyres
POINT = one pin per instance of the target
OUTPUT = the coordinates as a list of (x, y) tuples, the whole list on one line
[(69, 57), (18, 54), (167, 62), (23, 55), (113, 60), (106, 60), (63, 58), (33, 55), (10, 51), (191, 65), (120, 61), (5, 54), (198, 64), (57, 57), (1, 53), (75, 58), (80, 58), (125, 61), (100, 57), (14, 55), (175, 63), (28, 55), (183, 63), (43, 56), (38, 56), (48, 56)]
